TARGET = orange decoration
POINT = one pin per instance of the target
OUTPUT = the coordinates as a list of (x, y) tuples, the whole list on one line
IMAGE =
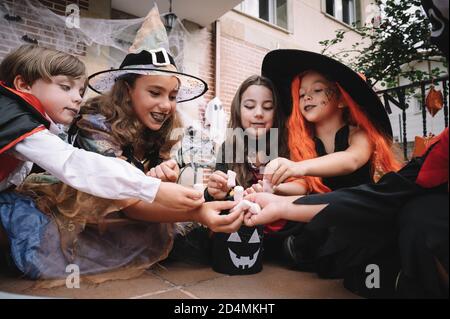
[(434, 101), (422, 143)]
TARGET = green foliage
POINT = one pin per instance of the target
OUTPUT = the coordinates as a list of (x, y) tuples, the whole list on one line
[(402, 37)]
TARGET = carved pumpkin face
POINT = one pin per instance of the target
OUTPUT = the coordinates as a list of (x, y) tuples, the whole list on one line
[(236, 250), (239, 253)]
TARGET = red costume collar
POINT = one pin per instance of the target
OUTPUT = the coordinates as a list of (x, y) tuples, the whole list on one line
[(26, 97)]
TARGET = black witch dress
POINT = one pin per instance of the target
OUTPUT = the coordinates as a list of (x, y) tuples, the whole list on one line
[(308, 240), (394, 222)]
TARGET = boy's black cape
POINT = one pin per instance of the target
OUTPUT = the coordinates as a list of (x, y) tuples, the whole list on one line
[(21, 115)]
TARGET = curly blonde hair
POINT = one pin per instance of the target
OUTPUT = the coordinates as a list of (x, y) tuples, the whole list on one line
[(126, 128)]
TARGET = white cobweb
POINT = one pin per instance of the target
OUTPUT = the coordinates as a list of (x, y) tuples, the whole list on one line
[(108, 38), (109, 41)]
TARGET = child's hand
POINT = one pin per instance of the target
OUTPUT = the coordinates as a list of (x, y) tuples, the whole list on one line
[(167, 171), (280, 169), (272, 207), (256, 188), (209, 215), (217, 185), (178, 197)]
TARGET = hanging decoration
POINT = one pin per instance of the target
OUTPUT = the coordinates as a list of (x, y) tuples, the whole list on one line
[(434, 101)]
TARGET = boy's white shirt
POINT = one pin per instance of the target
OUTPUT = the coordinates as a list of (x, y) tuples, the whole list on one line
[(89, 172)]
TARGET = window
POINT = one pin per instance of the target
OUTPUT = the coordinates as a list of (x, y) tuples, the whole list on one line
[(343, 10), (273, 11)]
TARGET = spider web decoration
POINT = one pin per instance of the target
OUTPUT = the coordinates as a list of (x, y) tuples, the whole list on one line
[(32, 22)]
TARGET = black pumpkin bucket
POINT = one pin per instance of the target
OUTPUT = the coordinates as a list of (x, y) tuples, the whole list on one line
[(238, 253)]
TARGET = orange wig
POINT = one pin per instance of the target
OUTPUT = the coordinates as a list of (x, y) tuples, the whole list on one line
[(302, 146)]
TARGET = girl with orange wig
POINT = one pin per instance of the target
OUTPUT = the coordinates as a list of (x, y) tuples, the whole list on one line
[(334, 139)]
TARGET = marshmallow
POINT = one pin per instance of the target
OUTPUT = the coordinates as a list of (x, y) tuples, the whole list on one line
[(244, 204), (238, 193), (231, 179), (254, 209), (267, 186), (247, 205), (199, 187)]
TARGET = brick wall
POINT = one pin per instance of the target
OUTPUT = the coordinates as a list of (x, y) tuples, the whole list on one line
[(207, 67), (207, 73), (239, 60), (59, 6), (28, 25)]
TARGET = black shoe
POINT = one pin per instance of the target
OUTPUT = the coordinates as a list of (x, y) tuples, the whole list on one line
[(295, 259)]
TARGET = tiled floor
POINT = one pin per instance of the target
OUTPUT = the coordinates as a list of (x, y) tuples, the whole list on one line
[(174, 280)]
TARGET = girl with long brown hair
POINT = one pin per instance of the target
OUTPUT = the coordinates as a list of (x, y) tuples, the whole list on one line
[(257, 134), (254, 112)]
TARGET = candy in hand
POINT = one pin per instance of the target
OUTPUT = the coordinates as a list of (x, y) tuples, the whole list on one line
[(247, 205), (199, 187), (231, 179), (254, 208), (238, 193), (267, 186)]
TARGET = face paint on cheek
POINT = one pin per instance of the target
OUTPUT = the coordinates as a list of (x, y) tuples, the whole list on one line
[(330, 94)]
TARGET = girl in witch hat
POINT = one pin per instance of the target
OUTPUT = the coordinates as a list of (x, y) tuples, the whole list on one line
[(339, 132), (132, 119)]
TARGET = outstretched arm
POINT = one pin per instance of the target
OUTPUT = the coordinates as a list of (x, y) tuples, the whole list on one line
[(275, 207), (335, 164), (89, 172), (207, 214), (98, 175), (341, 163), (291, 188)]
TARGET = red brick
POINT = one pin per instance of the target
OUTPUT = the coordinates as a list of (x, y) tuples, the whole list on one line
[(61, 8), (38, 25), (84, 5), (48, 4), (61, 2)]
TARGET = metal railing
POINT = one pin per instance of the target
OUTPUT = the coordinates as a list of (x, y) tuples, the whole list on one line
[(398, 97)]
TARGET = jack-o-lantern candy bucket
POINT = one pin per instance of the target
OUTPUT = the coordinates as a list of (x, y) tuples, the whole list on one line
[(239, 253)]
